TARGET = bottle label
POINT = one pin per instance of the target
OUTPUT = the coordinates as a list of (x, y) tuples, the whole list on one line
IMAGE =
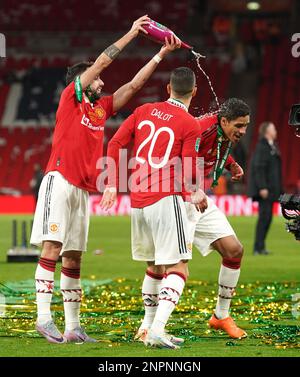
[(163, 27)]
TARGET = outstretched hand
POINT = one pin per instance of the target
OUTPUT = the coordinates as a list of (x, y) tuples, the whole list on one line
[(109, 197), (137, 26), (170, 45), (236, 171), (199, 198)]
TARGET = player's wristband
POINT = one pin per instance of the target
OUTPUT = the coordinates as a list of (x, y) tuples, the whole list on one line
[(157, 58)]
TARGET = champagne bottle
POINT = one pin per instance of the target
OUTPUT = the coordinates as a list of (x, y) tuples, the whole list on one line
[(158, 32)]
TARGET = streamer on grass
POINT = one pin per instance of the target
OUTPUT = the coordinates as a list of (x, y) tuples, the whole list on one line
[(112, 310)]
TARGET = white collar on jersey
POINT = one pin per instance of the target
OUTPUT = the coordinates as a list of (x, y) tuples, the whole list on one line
[(177, 103), (86, 100)]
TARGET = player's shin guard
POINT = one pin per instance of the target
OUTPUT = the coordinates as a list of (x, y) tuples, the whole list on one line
[(150, 292), (44, 283), (228, 278), (169, 295), (71, 290)]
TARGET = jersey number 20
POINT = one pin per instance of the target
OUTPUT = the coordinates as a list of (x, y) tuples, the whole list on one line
[(153, 136)]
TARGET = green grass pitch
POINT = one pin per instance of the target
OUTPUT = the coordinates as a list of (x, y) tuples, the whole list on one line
[(260, 278)]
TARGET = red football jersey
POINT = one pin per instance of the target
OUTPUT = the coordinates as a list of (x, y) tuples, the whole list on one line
[(78, 138), (207, 144), (164, 135)]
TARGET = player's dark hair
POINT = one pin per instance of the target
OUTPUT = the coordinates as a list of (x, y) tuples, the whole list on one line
[(76, 70), (182, 81), (233, 108)]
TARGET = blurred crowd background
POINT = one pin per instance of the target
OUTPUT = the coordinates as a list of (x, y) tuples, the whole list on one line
[(248, 55)]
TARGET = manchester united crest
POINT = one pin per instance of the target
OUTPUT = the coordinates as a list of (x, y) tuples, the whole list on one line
[(96, 115), (54, 227)]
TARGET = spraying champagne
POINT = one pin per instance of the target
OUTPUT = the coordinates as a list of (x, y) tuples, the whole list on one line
[(158, 32)]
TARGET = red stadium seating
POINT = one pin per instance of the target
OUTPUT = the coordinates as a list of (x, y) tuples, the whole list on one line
[(279, 89), (97, 15), (30, 144), (24, 148)]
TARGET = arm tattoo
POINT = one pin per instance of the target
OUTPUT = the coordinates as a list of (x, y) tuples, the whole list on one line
[(112, 52)]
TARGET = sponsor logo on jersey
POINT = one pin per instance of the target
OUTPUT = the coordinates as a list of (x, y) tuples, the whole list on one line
[(86, 122), (197, 145), (54, 227)]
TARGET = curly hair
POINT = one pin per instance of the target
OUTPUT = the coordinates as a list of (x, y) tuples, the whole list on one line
[(233, 108)]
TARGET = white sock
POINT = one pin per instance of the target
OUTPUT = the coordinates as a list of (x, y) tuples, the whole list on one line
[(71, 290), (169, 295), (228, 279), (44, 284), (150, 291)]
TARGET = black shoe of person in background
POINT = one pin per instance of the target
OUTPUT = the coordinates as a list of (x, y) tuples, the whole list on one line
[(261, 252)]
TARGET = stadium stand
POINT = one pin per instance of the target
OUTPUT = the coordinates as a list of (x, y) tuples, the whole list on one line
[(28, 121), (30, 82), (33, 15), (279, 89)]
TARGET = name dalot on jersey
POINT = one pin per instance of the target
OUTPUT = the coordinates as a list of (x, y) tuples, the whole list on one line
[(161, 115)]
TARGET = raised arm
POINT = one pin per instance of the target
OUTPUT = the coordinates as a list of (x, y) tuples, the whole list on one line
[(127, 91), (109, 54)]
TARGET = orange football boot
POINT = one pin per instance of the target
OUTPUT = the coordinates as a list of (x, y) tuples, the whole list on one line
[(228, 325)]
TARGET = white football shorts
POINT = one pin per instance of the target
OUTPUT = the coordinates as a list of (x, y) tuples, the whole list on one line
[(61, 214), (207, 227), (159, 232)]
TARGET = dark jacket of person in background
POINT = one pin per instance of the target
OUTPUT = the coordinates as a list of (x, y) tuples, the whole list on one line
[(265, 171), (265, 184)]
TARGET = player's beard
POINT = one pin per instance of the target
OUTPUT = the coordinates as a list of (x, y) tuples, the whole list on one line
[(93, 95), (96, 94)]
